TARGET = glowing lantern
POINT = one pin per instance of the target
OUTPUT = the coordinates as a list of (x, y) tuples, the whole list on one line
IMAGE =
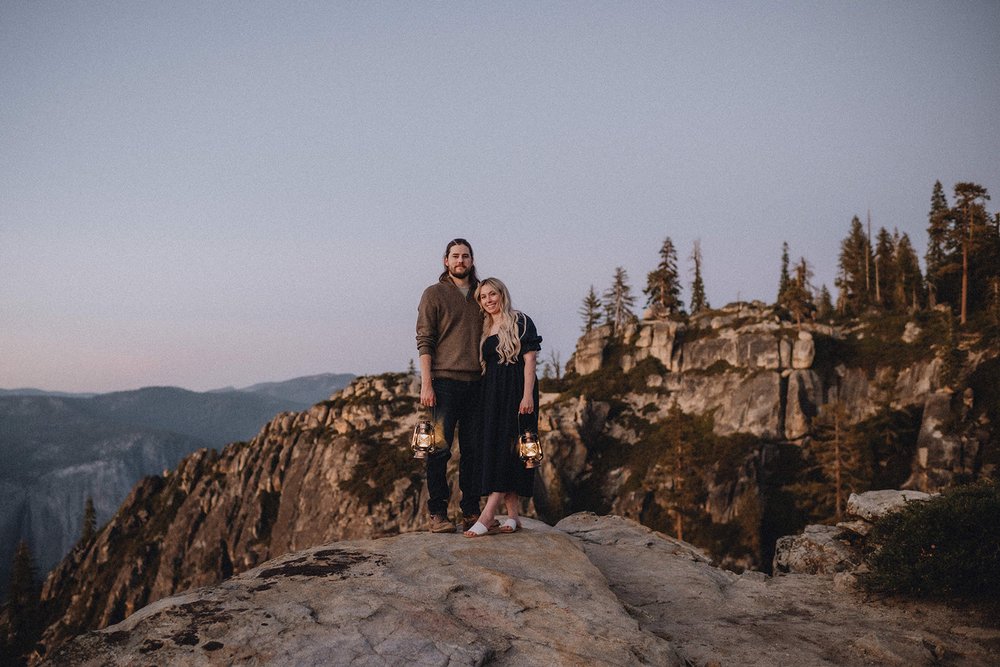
[(423, 441), (529, 449)]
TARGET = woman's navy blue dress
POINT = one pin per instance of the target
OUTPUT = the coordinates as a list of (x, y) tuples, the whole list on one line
[(502, 389)]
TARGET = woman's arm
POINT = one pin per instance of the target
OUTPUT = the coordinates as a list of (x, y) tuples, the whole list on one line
[(528, 399)]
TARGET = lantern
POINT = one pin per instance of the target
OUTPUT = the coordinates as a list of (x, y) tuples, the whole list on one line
[(423, 442), (529, 449)]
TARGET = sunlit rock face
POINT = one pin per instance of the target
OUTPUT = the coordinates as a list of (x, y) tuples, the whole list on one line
[(757, 373)]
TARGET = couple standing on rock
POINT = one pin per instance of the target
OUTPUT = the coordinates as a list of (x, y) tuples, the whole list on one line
[(477, 371)]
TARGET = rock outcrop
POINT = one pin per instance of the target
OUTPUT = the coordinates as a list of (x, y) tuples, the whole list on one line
[(823, 549), (756, 372), (592, 590)]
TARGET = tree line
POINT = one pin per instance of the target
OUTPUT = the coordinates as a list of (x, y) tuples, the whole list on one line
[(877, 272)]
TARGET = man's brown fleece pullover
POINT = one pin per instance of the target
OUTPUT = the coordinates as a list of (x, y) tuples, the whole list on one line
[(449, 326)]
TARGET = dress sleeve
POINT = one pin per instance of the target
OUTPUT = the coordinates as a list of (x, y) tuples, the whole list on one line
[(530, 340)]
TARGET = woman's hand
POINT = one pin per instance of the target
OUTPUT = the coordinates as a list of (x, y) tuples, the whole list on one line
[(527, 406)]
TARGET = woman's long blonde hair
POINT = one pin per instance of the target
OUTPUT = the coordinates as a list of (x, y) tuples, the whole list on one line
[(509, 345)]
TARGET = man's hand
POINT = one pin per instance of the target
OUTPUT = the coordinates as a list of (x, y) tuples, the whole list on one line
[(427, 397)]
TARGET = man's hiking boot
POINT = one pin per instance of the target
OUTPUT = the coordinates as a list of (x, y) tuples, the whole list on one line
[(440, 524), (468, 520)]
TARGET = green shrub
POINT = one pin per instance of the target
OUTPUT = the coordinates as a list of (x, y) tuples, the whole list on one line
[(946, 548)]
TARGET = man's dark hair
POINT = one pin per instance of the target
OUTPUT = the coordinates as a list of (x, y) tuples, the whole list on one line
[(473, 278)]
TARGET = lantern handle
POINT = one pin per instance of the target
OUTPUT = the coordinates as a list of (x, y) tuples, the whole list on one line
[(520, 430)]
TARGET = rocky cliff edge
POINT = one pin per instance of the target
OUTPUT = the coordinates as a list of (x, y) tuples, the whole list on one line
[(591, 590)]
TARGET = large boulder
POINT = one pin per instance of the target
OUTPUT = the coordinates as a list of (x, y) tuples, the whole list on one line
[(873, 505), (832, 549), (657, 339), (804, 396), (414, 599), (803, 351), (818, 550)]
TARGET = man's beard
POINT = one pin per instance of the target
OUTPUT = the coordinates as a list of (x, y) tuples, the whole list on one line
[(459, 272)]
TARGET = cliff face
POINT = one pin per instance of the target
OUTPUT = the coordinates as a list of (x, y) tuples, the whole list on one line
[(734, 413), (340, 470), (759, 374), (713, 416), (58, 451)]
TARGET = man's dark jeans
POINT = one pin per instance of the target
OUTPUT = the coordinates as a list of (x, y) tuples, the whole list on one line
[(457, 403)]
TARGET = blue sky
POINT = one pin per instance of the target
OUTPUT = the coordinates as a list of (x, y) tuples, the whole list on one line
[(211, 194)]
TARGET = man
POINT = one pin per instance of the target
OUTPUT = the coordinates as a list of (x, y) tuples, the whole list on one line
[(449, 324)]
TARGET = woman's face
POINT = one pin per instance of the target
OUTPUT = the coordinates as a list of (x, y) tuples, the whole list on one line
[(489, 300)]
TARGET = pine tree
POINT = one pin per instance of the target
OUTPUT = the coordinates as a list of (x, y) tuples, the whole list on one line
[(841, 454), (855, 260), (824, 308), (590, 311), (836, 461), (971, 215), (698, 299), (619, 302), (22, 602), (663, 287), (680, 437), (785, 279), (937, 232), (798, 295), (885, 270), (909, 288), (89, 530)]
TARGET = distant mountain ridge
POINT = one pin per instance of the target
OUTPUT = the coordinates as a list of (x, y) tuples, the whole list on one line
[(308, 390), (58, 449), (31, 391)]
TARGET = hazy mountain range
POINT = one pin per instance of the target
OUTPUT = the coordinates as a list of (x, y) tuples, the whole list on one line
[(58, 449)]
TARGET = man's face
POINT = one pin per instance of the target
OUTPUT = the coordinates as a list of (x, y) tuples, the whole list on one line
[(459, 261)]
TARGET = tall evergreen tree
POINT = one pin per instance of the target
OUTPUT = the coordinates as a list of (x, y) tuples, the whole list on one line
[(785, 279), (909, 288), (970, 218), (798, 296), (22, 602), (842, 455), (663, 286), (698, 299), (885, 270), (619, 302), (90, 518), (855, 260), (682, 460), (938, 224), (590, 310), (824, 307)]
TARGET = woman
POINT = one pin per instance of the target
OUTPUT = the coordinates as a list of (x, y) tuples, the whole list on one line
[(508, 353)]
